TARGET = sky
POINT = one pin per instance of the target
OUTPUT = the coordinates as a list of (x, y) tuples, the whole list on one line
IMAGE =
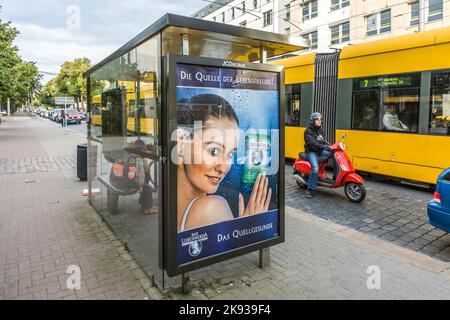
[(54, 31)]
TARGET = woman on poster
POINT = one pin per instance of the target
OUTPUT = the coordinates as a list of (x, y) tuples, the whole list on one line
[(198, 182)]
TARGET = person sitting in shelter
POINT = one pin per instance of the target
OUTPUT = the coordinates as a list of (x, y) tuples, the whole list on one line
[(143, 179)]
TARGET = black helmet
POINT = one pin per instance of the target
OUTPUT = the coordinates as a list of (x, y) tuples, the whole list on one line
[(315, 116)]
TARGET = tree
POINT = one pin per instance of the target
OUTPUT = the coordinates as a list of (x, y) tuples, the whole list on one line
[(70, 80), (26, 81), (48, 93), (19, 80)]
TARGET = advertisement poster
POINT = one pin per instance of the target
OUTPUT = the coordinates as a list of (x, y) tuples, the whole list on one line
[(227, 159)]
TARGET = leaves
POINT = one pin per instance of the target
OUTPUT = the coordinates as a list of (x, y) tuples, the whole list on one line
[(19, 80), (68, 82)]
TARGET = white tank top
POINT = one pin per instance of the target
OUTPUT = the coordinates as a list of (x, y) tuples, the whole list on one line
[(185, 214)]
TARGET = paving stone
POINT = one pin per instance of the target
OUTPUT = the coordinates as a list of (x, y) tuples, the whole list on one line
[(402, 216), (44, 231)]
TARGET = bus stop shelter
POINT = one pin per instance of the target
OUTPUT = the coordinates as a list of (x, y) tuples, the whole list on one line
[(128, 128)]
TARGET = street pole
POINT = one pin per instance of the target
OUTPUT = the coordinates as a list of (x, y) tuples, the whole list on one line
[(264, 254), (421, 15), (8, 107)]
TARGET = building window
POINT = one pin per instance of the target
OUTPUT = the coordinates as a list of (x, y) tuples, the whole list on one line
[(338, 4), (340, 33), (387, 103), (223, 17), (243, 7), (243, 24), (255, 4), (293, 105), (310, 10), (288, 11), (312, 37), (435, 8), (440, 103), (385, 21), (232, 13), (415, 11), (214, 19), (267, 18), (378, 23), (287, 31)]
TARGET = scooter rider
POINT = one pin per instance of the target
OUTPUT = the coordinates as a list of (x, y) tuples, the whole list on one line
[(315, 149)]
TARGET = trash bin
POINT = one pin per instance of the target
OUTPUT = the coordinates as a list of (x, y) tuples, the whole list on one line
[(82, 161)]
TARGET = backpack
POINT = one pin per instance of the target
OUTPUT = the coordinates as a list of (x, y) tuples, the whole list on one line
[(123, 174)]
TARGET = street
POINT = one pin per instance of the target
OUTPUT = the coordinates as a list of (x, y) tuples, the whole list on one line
[(395, 213), (331, 243), (80, 128)]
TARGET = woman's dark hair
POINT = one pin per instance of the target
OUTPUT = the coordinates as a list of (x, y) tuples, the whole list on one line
[(202, 107)]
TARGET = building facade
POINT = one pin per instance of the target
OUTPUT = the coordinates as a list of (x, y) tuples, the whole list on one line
[(324, 22), (378, 19), (331, 24), (256, 14)]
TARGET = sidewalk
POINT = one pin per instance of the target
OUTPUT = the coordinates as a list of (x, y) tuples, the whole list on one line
[(323, 260), (46, 225)]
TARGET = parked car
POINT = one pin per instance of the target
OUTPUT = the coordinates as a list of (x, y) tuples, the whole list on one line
[(439, 208), (54, 115), (83, 115), (73, 116), (3, 113)]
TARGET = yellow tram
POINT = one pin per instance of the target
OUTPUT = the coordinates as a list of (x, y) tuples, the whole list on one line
[(146, 108), (392, 101)]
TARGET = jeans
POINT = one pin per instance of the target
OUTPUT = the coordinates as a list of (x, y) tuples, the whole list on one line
[(64, 122), (313, 159), (146, 198)]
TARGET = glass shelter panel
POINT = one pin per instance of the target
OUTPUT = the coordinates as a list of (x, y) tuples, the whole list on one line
[(124, 150)]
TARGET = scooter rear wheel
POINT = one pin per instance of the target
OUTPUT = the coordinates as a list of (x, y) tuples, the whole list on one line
[(355, 192), (301, 185)]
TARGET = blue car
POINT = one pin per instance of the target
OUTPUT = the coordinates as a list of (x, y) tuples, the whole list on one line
[(439, 207)]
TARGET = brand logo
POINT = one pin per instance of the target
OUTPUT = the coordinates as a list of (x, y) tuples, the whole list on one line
[(195, 248), (195, 243), (233, 64)]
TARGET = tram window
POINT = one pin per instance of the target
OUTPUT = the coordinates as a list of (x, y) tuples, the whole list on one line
[(293, 105), (439, 121), (366, 110), (401, 110), (387, 103)]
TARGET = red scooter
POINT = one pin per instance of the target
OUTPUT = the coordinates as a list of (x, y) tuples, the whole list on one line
[(345, 177)]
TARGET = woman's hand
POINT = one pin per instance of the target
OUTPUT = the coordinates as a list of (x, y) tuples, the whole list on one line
[(259, 199)]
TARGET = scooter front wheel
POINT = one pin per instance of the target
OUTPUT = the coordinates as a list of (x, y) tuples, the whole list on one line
[(355, 192)]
